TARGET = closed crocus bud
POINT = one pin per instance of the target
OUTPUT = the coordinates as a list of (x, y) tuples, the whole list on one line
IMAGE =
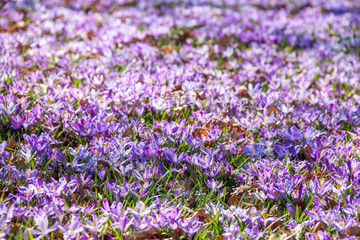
[(291, 209), (292, 224)]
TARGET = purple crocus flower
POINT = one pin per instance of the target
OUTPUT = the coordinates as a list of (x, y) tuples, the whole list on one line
[(290, 209), (30, 174), (231, 232), (190, 227), (255, 150), (292, 134), (4, 154), (73, 229), (43, 225), (158, 221), (95, 224), (101, 173), (172, 215), (212, 184), (122, 223)]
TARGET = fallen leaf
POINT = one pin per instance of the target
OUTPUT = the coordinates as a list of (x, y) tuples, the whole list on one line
[(220, 124), (306, 152), (179, 110), (91, 35), (224, 41), (142, 235), (176, 234), (237, 194), (272, 109), (187, 184), (166, 49), (274, 225), (236, 132), (177, 87), (352, 231), (14, 228), (103, 163), (227, 114), (242, 93), (234, 200), (90, 195), (201, 131), (127, 132), (13, 143), (201, 215), (198, 96), (137, 104), (110, 119)]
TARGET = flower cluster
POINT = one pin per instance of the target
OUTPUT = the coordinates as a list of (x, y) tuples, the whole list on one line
[(196, 119)]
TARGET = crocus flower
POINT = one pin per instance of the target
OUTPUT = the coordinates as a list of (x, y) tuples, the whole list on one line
[(190, 227), (255, 150), (122, 223), (73, 229), (212, 184), (3, 153), (43, 225), (95, 224), (290, 209)]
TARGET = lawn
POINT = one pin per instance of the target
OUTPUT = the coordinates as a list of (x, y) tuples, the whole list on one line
[(180, 119)]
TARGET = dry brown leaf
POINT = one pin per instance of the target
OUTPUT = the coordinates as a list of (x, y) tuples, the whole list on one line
[(236, 132), (306, 151), (285, 232), (177, 87), (91, 35), (103, 163), (238, 129), (187, 184), (166, 49), (176, 234), (272, 109), (83, 102), (198, 96), (352, 231), (142, 235), (19, 95), (45, 176), (90, 195), (201, 215), (220, 124), (137, 104), (275, 225), (226, 114), (237, 194), (127, 132), (234, 200), (224, 41), (179, 110), (13, 143), (80, 188), (319, 227), (242, 93), (201, 131), (110, 119)]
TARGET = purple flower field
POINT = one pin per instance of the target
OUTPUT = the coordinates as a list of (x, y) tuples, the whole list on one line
[(180, 119)]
